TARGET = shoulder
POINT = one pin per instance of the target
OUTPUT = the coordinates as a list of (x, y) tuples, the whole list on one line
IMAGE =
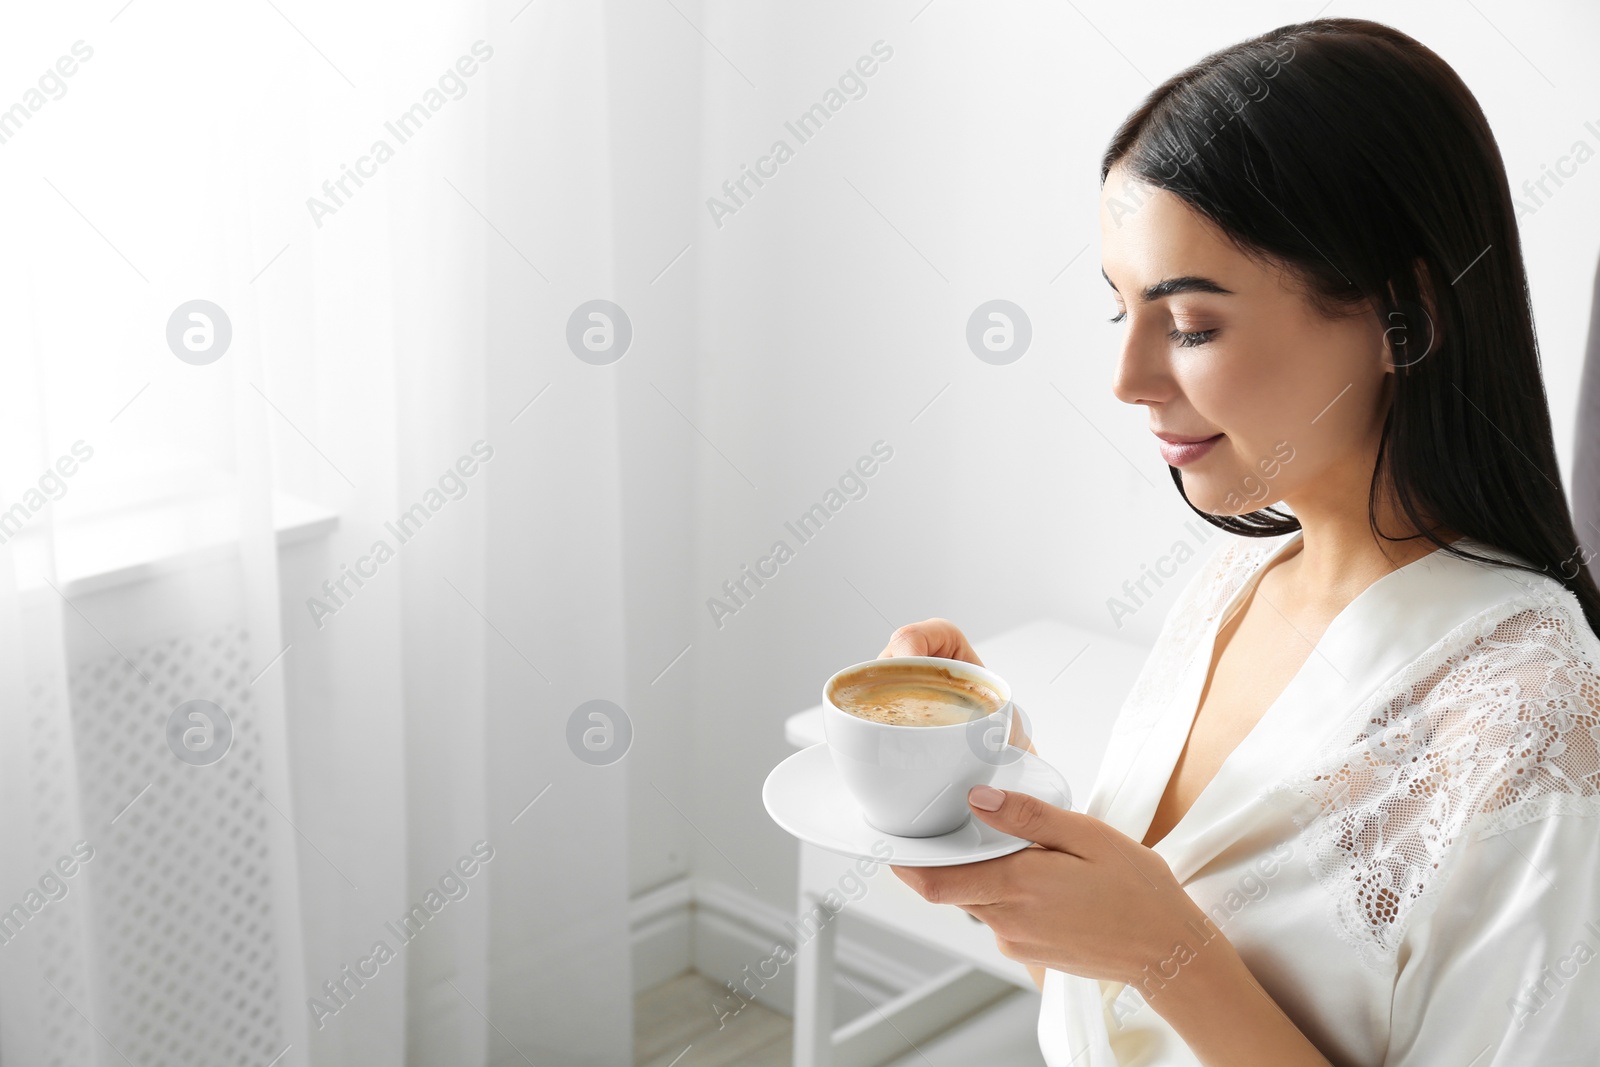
[(1495, 726), (1510, 706), (1494, 721)]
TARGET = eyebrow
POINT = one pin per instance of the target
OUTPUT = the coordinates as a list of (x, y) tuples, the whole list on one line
[(1188, 283)]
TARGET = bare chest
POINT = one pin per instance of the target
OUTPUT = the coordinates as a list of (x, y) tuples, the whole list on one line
[(1258, 652)]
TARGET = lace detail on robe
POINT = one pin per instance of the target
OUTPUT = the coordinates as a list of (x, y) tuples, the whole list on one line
[(1172, 654), (1497, 725)]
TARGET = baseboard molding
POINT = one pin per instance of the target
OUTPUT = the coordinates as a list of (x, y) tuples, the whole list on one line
[(731, 937), (660, 926)]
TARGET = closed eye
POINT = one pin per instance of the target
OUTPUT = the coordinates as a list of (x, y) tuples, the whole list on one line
[(1178, 337)]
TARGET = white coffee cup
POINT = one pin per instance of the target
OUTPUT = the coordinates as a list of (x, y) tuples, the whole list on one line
[(912, 781)]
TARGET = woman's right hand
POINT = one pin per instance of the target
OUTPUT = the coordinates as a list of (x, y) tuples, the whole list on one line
[(930, 637), (943, 638)]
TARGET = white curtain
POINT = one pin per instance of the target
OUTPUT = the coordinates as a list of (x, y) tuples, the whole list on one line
[(344, 532)]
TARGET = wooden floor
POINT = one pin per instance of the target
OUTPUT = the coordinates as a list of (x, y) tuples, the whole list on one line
[(676, 1024)]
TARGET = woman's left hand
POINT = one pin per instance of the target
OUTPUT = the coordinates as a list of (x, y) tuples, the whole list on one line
[(1085, 899)]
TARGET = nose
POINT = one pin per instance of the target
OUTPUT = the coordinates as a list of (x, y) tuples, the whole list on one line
[(1142, 375)]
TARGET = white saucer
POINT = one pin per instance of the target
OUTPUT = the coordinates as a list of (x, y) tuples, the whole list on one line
[(804, 795)]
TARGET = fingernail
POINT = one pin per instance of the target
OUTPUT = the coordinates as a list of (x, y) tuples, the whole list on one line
[(986, 797)]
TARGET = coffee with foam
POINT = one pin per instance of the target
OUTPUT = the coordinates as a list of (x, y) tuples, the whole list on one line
[(914, 694)]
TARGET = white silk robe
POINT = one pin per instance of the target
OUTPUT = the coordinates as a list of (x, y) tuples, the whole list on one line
[(1404, 848)]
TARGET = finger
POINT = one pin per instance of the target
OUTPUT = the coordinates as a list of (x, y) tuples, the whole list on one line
[(1019, 735), (963, 885), (904, 642), (931, 637), (911, 876), (1028, 817), (912, 639)]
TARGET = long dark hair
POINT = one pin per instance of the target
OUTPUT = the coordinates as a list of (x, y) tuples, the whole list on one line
[(1354, 156)]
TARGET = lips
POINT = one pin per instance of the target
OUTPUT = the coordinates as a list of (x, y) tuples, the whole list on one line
[(1178, 450)]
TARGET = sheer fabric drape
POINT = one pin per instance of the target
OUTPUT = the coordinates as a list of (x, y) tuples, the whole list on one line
[(215, 541)]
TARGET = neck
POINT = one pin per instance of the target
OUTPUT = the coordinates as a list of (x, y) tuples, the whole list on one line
[(1339, 552)]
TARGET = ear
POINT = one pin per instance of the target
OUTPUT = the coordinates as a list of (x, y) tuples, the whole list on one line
[(1430, 301), (1411, 331)]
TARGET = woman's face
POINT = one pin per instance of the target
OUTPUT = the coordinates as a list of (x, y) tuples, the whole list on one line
[(1298, 400)]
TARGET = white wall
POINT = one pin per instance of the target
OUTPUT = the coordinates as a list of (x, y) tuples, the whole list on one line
[(655, 133)]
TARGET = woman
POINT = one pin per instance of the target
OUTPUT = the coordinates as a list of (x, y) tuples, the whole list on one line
[(1347, 812)]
